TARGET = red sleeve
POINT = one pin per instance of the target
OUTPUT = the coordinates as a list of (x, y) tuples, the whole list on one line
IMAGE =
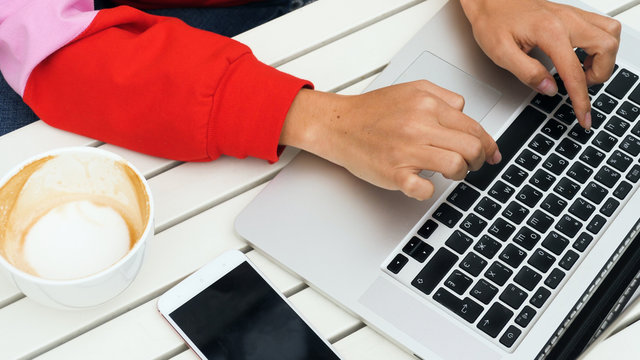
[(159, 4), (155, 85)]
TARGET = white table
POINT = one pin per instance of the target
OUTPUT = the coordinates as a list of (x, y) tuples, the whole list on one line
[(340, 45)]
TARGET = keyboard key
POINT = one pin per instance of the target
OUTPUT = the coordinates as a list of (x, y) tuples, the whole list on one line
[(596, 224), (527, 278), (526, 315), (411, 245), (459, 242), (510, 336), (501, 191), (512, 255), (467, 309), (540, 221), (514, 175), (447, 215), (582, 209), (463, 196), (622, 190), (541, 260), (604, 141), (541, 144), (554, 279), (620, 161), (636, 130), (540, 297), (594, 192), (487, 246), (562, 90), (458, 282), (526, 238), (487, 208), (498, 273), (513, 296), (542, 180), (567, 188), (509, 143), (631, 145), (553, 204), (565, 114), (495, 319), (501, 229), (515, 212), (579, 172), (484, 291), (617, 126), (473, 224), (634, 174), (529, 196), (435, 269), (397, 263), (568, 148), (605, 103), (635, 95), (607, 176), (621, 83), (555, 243), (628, 111), (582, 242), (554, 129), (555, 164), (609, 207), (473, 264), (579, 134), (546, 103), (427, 228), (581, 54), (568, 226), (421, 252), (528, 159), (597, 118), (592, 156), (568, 260)]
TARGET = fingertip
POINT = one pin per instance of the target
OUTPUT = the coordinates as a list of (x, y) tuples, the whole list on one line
[(495, 158), (418, 188), (547, 86)]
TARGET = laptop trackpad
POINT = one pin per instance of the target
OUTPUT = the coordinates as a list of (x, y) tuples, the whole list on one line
[(479, 97)]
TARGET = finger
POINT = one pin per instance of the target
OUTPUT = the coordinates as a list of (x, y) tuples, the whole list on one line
[(456, 120), (449, 163), (452, 99), (413, 185), (469, 146), (610, 25), (602, 48)]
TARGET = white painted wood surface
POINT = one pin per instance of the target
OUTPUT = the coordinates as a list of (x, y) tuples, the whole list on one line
[(343, 43)]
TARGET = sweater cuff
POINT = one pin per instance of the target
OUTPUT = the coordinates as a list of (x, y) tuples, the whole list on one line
[(249, 110)]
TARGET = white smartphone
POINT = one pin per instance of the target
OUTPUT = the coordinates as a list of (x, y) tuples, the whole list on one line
[(229, 310)]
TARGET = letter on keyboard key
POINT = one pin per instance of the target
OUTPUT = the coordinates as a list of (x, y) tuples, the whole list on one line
[(510, 336), (466, 309), (495, 319), (447, 215), (463, 196), (435, 269)]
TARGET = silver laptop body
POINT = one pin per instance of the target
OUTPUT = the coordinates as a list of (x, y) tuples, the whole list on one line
[(341, 234)]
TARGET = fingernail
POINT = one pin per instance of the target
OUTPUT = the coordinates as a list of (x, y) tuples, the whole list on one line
[(587, 121), (496, 158), (548, 87)]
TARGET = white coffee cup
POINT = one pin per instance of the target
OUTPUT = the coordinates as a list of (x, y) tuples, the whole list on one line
[(74, 223)]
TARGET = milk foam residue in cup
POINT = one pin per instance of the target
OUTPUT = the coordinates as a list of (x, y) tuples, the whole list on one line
[(71, 215)]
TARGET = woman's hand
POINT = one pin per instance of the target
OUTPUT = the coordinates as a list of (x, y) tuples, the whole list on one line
[(508, 29), (388, 136)]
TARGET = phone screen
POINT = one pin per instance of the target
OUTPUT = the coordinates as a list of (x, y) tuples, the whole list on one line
[(240, 316)]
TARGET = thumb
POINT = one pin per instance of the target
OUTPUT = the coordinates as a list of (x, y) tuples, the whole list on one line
[(413, 185)]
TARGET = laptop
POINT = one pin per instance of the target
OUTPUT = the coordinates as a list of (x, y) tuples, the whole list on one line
[(526, 259)]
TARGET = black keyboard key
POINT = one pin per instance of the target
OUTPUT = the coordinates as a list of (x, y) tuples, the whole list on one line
[(555, 243), (447, 215), (604, 141), (554, 129), (515, 212), (605, 103), (509, 143), (541, 144), (546, 103), (617, 126), (514, 175), (579, 172), (527, 278), (526, 315), (487, 246), (554, 278), (458, 282), (473, 224), (427, 228), (579, 134), (495, 319), (412, 245), (422, 252), (553, 204), (510, 336), (620, 161), (562, 90), (484, 291), (582, 242), (526, 238), (636, 130), (607, 176), (540, 297), (513, 296), (634, 174), (459, 242), (621, 83), (435, 269), (555, 164), (463, 196), (541, 260), (568, 226), (635, 95), (597, 118), (592, 156), (581, 54), (487, 208), (568, 260), (565, 114), (528, 159), (628, 111), (595, 192), (596, 224), (540, 221), (582, 209), (397, 263), (568, 148), (594, 89), (501, 229), (542, 180), (501, 191), (622, 190), (473, 264), (631, 144), (467, 309), (529, 196), (498, 273), (512, 255), (609, 207), (567, 188)]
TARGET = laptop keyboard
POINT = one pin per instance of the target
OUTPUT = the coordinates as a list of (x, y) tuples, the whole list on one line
[(500, 244)]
